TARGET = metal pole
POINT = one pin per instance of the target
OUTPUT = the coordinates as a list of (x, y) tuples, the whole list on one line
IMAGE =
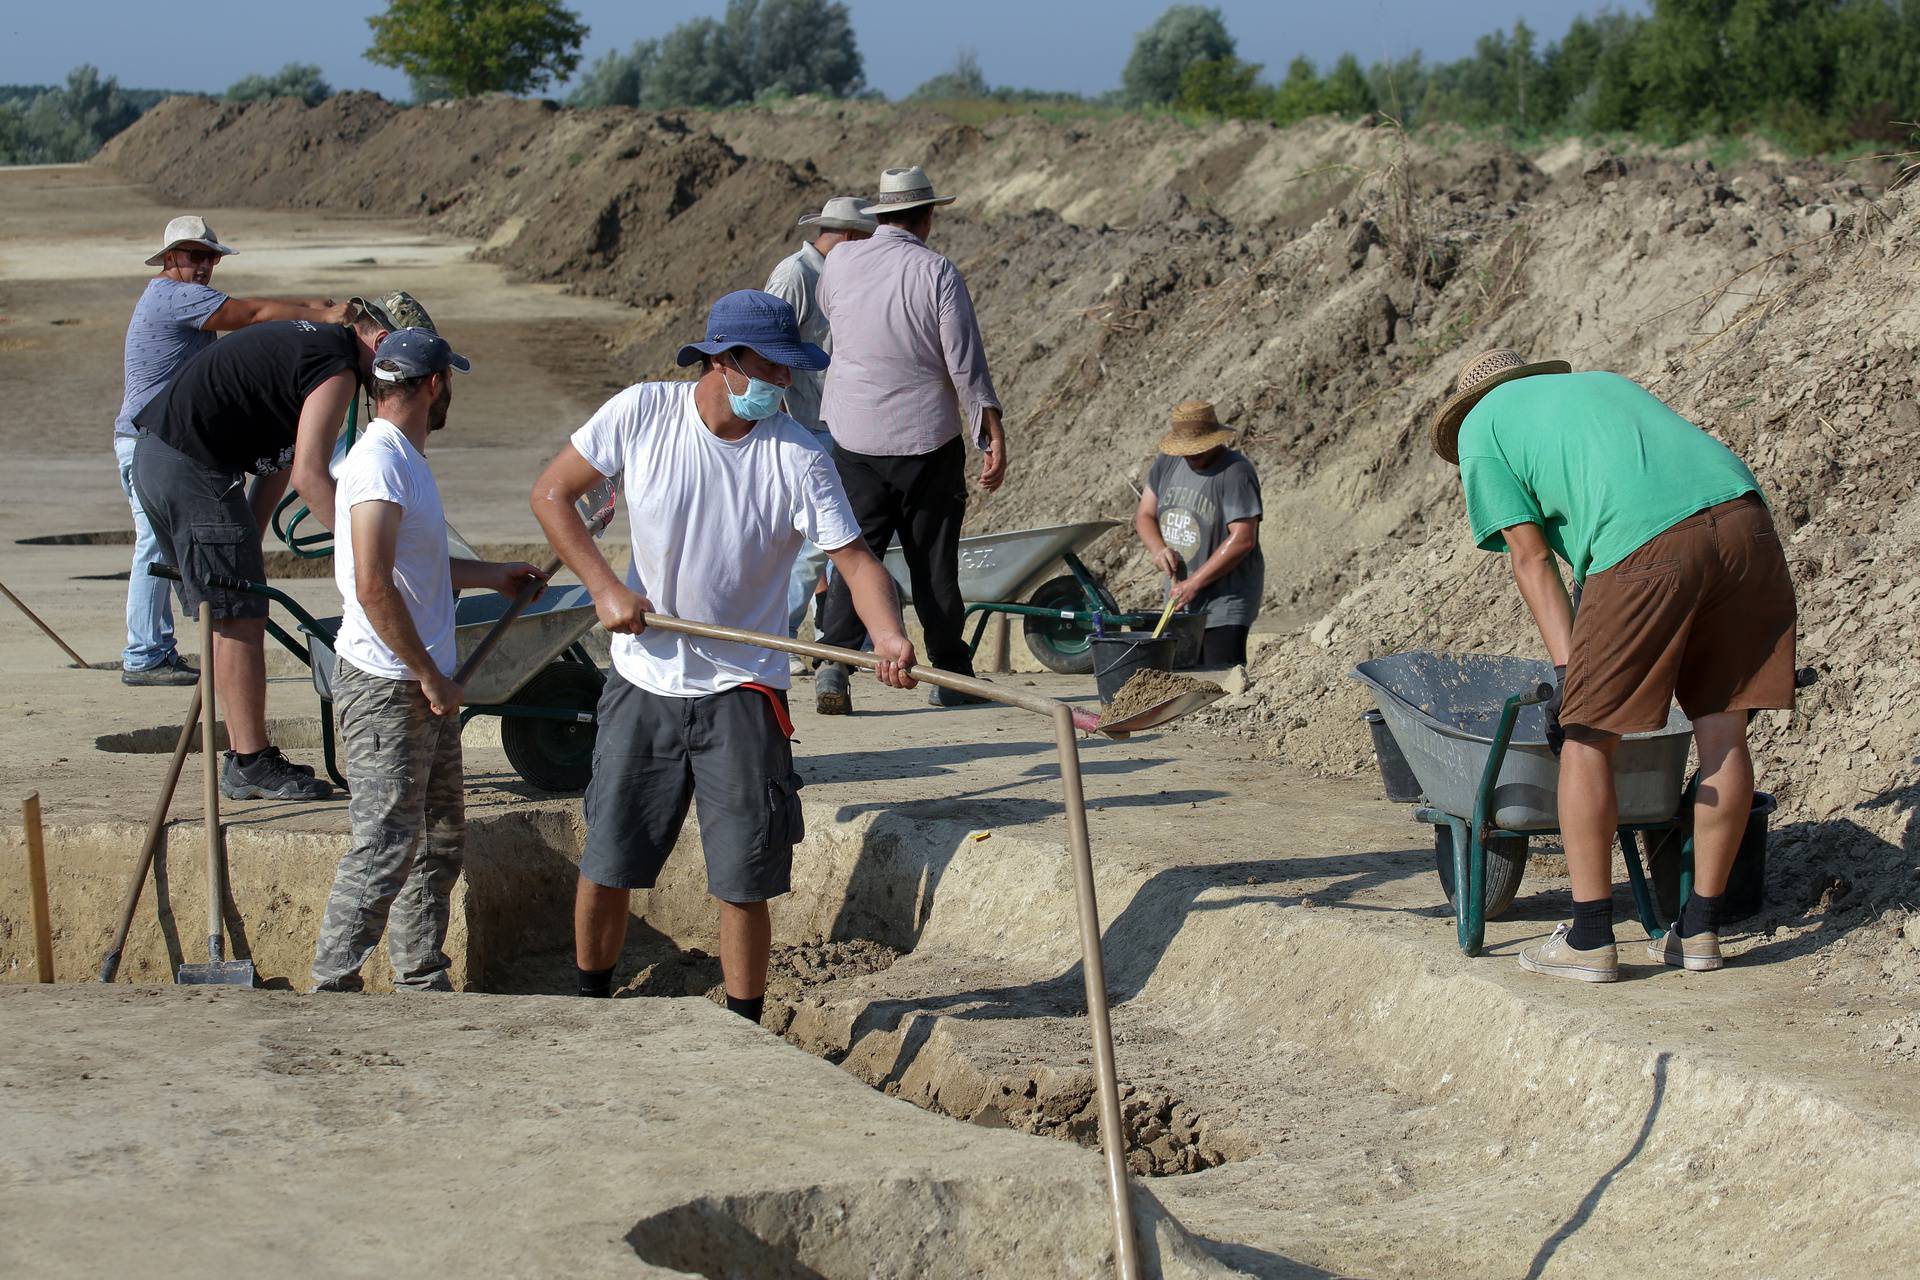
[(1093, 967), (37, 877)]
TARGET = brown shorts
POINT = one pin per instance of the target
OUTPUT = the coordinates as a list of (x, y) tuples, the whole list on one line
[(1703, 612)]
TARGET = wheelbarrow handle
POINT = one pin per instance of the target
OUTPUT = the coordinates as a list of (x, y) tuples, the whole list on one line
[(526, 595), (1540, 693), (220, 580)]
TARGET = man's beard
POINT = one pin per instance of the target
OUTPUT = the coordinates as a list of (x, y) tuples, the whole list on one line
[(437, 414)]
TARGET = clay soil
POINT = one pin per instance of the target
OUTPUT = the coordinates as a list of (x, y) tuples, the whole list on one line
[(1322, 285)]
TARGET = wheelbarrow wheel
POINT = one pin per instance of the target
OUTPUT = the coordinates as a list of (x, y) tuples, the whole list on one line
[(1061, 644), (554, 755), (1506, 863)]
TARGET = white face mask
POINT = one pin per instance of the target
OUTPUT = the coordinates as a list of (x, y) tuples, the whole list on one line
[(760, 400)]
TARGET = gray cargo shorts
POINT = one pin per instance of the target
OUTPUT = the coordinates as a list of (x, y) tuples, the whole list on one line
[(202, 526), (654, 754)]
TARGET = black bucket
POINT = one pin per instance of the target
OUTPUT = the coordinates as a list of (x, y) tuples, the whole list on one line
[(1116, 658), (1189, 632), (1402, 787), (1747, 882)]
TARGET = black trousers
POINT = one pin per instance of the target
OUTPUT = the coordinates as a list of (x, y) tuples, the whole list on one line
[(1224, 647), (921, 498)]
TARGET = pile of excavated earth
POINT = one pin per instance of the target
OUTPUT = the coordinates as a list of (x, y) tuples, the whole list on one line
[(1316, 1081)]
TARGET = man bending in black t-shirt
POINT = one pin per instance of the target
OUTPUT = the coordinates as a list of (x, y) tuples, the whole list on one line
[(267, 400)]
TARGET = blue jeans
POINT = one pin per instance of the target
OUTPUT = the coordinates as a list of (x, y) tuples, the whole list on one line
[(807, 568), (149, 599)]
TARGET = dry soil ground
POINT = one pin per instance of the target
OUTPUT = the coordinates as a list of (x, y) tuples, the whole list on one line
[(1325, 1084)]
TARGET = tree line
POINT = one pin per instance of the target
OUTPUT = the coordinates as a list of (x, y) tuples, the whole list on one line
[(1817, 73)]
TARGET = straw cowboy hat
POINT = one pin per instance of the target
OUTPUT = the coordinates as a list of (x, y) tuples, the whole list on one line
[(842, 213), (189, 229), (907, 188), (1195, 430), (1480, 375)]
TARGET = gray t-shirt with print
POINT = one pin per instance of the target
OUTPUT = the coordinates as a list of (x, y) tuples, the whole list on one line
[(164, 334), (1195, 509)]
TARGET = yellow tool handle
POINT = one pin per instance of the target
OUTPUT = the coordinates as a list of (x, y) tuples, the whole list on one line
[(1164, 615)]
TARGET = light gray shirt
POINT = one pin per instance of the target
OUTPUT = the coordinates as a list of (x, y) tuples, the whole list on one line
[(909, 365), (797, 280), (164, 334)]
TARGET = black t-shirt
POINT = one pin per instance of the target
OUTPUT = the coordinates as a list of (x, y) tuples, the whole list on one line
[(236, 405)]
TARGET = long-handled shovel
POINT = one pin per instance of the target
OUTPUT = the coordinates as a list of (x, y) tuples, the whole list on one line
[(156, 831), (218, 970), (1092, 965)]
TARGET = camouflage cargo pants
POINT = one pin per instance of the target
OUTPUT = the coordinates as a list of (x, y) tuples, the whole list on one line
[(409, 826)]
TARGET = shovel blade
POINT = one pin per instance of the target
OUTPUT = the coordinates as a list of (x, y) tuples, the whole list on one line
[(217, 973)]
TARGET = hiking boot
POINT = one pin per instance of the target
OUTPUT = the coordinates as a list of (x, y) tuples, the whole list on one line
[(1558, 960), (830, 695), (1699, 953), (270, 777), (938, 697), (170, 670)]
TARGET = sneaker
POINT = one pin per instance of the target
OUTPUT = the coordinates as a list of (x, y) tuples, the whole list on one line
[(938, 697), (798, 666), (830, 694), (270, 777), (1558, 960), (170, 670), (1698, 954)]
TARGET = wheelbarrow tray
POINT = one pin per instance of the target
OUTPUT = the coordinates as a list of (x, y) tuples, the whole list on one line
[(550, 626), (994, 566), (1442, 709)]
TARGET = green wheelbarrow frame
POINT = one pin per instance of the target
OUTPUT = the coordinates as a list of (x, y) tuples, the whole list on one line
[(1471, 836), (1101, 611), (313, 626)]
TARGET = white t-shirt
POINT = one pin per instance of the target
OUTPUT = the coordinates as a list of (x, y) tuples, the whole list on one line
[(383, 466), (715, 527)]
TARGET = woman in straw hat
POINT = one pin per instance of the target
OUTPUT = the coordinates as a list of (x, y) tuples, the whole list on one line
[(1199, 518), (1684, 592)]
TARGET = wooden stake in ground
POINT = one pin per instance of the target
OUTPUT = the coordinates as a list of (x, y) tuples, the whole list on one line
[(34, 618), (37, 874)]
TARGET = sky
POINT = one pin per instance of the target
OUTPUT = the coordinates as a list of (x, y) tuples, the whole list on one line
[(1075, 45)]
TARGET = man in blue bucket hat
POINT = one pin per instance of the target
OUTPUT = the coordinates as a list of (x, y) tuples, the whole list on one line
[(721, 486)]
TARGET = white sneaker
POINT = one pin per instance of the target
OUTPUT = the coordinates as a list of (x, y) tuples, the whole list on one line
[(1558, 960), (798, 666)]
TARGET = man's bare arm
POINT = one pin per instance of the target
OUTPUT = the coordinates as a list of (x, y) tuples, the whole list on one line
[(320, 418), (559, 487), (376, 535), (877, 601), (1242, 537), (238, 313), (1538, 578)]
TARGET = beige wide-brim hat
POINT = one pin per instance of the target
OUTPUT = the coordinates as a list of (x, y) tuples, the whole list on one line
[(189, 229), (842, 213), (1195, 430), (1480, 375), (907, 188)]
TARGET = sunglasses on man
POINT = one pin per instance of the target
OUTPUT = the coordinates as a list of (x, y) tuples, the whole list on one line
[(197, 257)]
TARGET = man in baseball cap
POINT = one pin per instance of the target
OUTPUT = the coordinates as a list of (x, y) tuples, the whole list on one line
[(721, 488), (177, 316), (393, 689)]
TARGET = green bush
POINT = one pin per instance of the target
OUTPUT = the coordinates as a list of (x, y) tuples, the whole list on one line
[(295, 80), (759, 49)]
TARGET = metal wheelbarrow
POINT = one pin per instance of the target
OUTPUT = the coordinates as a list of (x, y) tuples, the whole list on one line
[(1062, 616), (539, 680), (1473, 733)]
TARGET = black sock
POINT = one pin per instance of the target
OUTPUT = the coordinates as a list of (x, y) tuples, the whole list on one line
[(1701, 914), (597, 983), (749, 1008), (245, 758), (1592, 924)]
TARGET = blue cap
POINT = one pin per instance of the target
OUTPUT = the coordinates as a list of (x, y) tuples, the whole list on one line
[(415, 353), (760, 322)]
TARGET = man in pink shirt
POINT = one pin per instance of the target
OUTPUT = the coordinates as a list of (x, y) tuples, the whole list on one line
[(909, 372)]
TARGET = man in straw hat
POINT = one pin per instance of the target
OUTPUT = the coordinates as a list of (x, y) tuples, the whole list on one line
[(178, 314), (796, 280), (682, 717), (266, 402), (909, 371), (1199, 518), (1684, 593)]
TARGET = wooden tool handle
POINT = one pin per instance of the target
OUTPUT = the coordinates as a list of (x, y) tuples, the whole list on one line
[(37, 875)]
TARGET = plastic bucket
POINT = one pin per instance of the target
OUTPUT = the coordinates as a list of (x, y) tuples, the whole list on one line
[(1189, 632), (1395, 772), (1116, 658), (1747, 883)]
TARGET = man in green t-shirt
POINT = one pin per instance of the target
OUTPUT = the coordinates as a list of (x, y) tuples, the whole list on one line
[(1684, 593)]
